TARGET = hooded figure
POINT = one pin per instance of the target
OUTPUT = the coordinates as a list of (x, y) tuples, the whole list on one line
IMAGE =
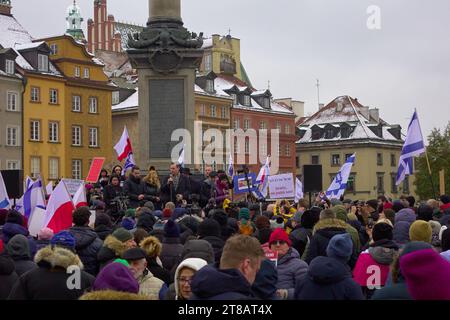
[(8, 276), (182, 285), (403, 221), (171, 246), (114, 246), (15, 225), (329, 278), (103, 226), (49, 281), (209, 230), (19, 250)]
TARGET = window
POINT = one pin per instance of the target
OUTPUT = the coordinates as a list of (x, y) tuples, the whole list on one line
[(93, 105), (10, 67), (202, 110), (287, 150), (247, 146), (234, 96), (76, 103), (93, 137), (86, 73), (115, 97), (77, 72), (345, 132), (12, 136), (236, 123), (393, 160), (76, 135), (279, 150), (247, 100), (246, 124), (12, 101), (262, 125), (278, 126), (53, 96), (316, 134), (208, 62), (287, 129), (35, 166), (237, 149), (394, 188), (263, 151), (379, 159), (53, 168), (351, 183), (315, 160), (348, 155), (380, 183), (35, 94), (213, 111), (12, 165), (35, 130), (42, 62), (209, 85), (297, 162), (329, 133), (53, 131), (335, 159), (224, 112), (53, 49), (76, 169), (406, 185), (266, 103)]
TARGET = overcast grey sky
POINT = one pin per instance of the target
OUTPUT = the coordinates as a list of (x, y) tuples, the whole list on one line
[(402, 66)]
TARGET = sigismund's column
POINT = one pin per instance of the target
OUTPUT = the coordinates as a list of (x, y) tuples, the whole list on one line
[(166, 56)]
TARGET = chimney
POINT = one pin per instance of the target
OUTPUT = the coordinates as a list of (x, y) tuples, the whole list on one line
[(321, 106), (375, 114), (365, 112), (5, 9)]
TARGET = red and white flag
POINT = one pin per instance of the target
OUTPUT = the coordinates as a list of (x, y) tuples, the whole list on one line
[(123, 147), (79, 199), (59, 209)]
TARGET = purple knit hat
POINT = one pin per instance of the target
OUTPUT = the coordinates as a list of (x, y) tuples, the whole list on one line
[(427, 274), (115, 276)]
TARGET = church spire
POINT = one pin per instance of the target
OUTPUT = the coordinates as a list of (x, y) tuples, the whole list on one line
[(74, 20)]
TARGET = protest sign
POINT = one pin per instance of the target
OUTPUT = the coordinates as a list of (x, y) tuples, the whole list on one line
[(94, 171), (281, 186), (72, 185)]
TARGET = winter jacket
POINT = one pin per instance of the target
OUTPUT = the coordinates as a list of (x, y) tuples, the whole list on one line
[(211, 283), (221, 194), (149, 285), (103, 231), (171, 253), (393, 291), (109, 193), (217, 244), (41, 244), (299, 238), (49, 280), (380, 254), (290, 269), (403, 220), (199, 249), (111, 250), (9, 230), (158, 271), (183, 188), (151, 192), (87, 246), (323, 231), (328, 279), (111, 295), (265, 285), (8, 276), (19, 250), (208, 191), (133, 188)]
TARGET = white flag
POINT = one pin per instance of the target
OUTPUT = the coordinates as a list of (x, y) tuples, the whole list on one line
[(298, 190), (4, 198)]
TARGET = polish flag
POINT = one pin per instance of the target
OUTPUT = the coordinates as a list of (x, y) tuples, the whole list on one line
[(59, 210), (123, 147), (79, 199)]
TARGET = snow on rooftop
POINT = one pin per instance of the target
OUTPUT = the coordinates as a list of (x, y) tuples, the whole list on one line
[(207, 43), (275, 106), (12, 33), (31, 45), (131, 102)]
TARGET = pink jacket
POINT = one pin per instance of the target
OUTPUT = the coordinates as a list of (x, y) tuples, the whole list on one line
[(362, 273)]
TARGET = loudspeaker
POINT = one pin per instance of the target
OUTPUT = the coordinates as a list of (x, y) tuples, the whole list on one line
[(312, 178), (13, 182)]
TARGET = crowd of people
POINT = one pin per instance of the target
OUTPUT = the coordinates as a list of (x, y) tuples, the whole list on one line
[(178, 238)]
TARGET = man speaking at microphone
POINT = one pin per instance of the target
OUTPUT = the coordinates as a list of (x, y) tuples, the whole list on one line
[(174, 185)]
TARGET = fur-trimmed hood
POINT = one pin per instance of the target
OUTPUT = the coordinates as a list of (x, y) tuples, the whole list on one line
[(112, 295), (330, 223), (115, 245), (57, 257)]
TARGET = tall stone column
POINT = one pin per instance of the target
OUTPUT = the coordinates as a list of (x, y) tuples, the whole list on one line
[(166, 56)]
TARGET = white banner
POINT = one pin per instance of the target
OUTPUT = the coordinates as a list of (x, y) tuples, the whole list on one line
[(72, 185), (281, 186)]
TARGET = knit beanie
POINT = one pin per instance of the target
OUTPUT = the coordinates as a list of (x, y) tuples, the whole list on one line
[(340, 247), (171, 229), (117, 277), (64, 239), (297, 217), (209, 227), (420, 230), (122, 235), (130, 213), (382, 231), (341, 212), (102, 219), (244, 214), (128, 223), (14, 217), (279, 235), (45, 234)]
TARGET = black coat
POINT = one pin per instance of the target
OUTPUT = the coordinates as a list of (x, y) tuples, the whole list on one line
[(87, 246), (171, 252), (158, 271), (183, 188), (207, 191), (152, 192), (328, 279), (103, 231), (8, 276), (133, 188), (109, 193), (217, 245), (211, 283), (299, 238)]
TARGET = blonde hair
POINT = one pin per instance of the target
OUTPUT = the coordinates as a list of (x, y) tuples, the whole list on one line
[(153, 179), (170, 205), (238, 248), (152, 246)]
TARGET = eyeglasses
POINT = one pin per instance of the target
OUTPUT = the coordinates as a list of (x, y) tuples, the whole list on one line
[(279, 242), (185, 280)]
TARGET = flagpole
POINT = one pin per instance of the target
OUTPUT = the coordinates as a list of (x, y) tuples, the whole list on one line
[(430, 174)]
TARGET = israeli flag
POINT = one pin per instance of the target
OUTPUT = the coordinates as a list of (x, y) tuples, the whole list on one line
[(413, 147), (33, 198), (129, 163), (4, 199), (339, 184), (230, 166), (298, 190)]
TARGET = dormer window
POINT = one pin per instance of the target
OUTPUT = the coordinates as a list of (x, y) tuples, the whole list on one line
[(42, 62), (266, 103), (53, 49), (10, 69), (209, 85), (247, 100), (345, 132), (329, 133), (234, 96)]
